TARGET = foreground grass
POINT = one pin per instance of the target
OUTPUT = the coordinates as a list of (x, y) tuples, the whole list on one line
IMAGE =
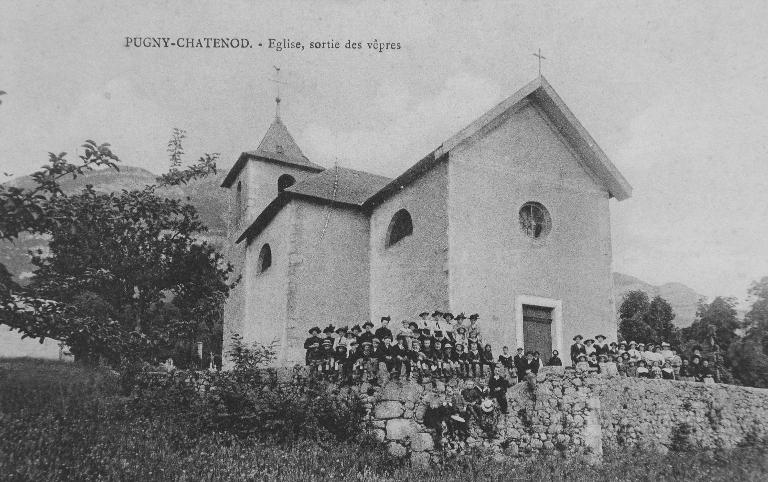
[(64, 422)]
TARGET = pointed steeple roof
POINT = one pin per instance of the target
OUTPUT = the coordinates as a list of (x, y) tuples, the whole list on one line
[(278, 146)]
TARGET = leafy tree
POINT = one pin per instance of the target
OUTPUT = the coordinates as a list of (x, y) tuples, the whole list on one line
[(749, 355), (644, 320), (127, 273), (715, 324)]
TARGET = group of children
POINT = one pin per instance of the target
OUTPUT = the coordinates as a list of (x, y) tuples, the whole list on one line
[(436, 345), (640, 360)]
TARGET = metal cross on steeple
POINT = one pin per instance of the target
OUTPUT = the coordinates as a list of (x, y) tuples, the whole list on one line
[(541, 57), (278, 82)]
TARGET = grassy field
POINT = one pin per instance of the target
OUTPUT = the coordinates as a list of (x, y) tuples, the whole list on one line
[(64, 422)]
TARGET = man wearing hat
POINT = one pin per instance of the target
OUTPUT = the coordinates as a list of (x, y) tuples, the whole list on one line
[(312, 344), (383, 331), (367, 335), (577, 348)]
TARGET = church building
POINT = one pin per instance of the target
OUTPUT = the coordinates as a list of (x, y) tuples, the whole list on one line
[(508, 218)]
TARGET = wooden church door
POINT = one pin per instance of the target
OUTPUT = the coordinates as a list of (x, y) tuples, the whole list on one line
[(537, 330)]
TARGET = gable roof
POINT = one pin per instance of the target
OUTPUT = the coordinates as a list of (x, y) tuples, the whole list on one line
[(278, 146), (541, 92), (338, 186)]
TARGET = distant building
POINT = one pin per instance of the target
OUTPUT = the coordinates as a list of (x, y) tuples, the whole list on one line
[(508, 218)]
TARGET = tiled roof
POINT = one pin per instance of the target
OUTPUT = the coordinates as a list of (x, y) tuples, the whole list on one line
[(341, 185), (277, 145)]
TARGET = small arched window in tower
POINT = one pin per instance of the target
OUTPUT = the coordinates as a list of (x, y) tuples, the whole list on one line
[(400, 227), (265, 258), (238, 200), (285, 181)]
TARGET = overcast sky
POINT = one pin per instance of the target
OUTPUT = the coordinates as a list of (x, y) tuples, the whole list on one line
[(674, 92)]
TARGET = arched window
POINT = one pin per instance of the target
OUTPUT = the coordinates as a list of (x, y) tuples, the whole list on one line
[(265, 258), (285, 181), (400, 227)]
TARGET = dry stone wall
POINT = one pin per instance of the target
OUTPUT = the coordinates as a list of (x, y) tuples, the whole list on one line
[(571, 412)]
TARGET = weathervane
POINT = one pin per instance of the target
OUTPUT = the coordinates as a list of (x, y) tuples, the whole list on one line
[(277, 81), (540, 57)]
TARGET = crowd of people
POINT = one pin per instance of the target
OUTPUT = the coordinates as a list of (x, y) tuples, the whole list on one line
[(641, 360), (436, 345), (440, 345)]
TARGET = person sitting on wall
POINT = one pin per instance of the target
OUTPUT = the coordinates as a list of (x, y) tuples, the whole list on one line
[(631, 369), (577, 349), (622, 364), (554, 360), (400, 352), (594, 365), (463, 363), (438, 356), (439, 336), (675, 361), (655, 370), (473, 395), (642, 370), (429, 364), (486, 359), (426, 334), (644, 352), (312, 344), (417, 359), (387, 354), (582, 363), (367, 364), (499, 385), (506, 360), (667, 372), (685, 371), (340, 363), (473, 358), (383, 330), (410, 330), (450, 361), (326, 356)]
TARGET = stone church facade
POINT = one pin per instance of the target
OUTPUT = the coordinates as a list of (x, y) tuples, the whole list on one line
[(509, 218)]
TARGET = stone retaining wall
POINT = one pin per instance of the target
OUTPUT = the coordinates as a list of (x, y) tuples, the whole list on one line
[(575, 413)]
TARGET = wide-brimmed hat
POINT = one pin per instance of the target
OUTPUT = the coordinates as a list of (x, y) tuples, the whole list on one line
[(461, 329), (613, 343), (329, 329), (448, 315), (447, 345), (589, 340), (327, 341), (424, 313), (600, 336), (474, 316), (357, 328), (486, 405), (461, 316), (367, 324), (386, 318), (664, 343), (413, 323), (437, 313), (578, 337), (341, 329), (632, 343), (315, 329)]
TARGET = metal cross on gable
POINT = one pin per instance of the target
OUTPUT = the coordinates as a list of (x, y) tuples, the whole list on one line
[(278, 83), (540, 57)]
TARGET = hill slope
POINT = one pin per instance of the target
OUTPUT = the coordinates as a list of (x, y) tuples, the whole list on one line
[(682, 298)]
